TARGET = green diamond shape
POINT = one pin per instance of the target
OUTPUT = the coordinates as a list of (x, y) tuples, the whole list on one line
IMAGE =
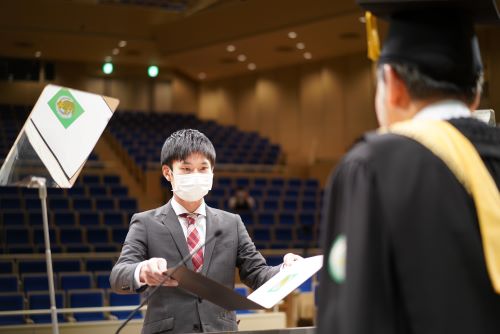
[(65, 107)]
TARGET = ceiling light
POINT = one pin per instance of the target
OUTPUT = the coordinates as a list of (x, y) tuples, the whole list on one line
[(202, 76), (153, 71), (300, 46), (107, 68), (108, 59), (307, 55), (230, 48), (116, 51), (242, 58), (292, 35), (122, 44), (252, 66), (38, 54)]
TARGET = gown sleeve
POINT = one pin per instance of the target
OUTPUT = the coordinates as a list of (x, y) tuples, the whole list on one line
[(356, 289)]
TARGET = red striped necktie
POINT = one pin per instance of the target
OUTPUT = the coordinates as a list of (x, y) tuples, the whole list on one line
[(193, 240)]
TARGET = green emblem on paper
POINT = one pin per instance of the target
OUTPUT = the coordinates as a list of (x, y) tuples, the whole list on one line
[(337, 259), (65, 107)]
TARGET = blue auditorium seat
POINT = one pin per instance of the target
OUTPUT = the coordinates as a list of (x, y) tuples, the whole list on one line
[(270, 205), (116, 299), (97, 235), (9, 191), (286, 219), (15, 218), (71, 235), (118, 191), (72, 281), (129, 204), (11, 203), (11, 301), (64, 219), (67, 265), (260, 182), (111, 179), (311, 183), (99, 265), (78, 248), (58, 204), (113, 219), (261, 234), (91, 179), (41, 301), (283, 233), (38, 236), (290, 205), (107, 247), (6, 266), (87, 298), (277, 182), (20, 249), (82, 204), (273, 193), (248, 218), (32, 204), (266, 218), (35, 282), (77, 190), (9, 282), (307, 219), (89, 219), (16, 235), (274, 260), (102, 280), (35, 218), (309, 205), (294, 183), (242, 290), (118, 234), (96, 190), (104, 204)]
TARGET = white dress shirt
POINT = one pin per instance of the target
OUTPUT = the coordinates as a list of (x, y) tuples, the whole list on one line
[(444, 110), (200, 223)]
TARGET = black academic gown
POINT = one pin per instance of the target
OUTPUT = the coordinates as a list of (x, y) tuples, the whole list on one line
[(414, 260)]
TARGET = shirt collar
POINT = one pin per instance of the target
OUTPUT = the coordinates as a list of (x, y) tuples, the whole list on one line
[(179, 209), (444, 110)]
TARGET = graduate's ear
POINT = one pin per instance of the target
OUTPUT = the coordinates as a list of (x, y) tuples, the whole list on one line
[(167, 172), (397, 95)]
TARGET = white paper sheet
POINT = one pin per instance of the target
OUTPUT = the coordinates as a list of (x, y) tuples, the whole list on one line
[(70, 138), (287, 280)]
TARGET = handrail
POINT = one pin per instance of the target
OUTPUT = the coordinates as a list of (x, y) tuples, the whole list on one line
[(74, 310)]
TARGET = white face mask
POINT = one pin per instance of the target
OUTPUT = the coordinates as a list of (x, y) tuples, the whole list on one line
[(192, 187)]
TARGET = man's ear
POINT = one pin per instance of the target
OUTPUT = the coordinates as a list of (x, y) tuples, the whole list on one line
[(397, 95), (166, 172)]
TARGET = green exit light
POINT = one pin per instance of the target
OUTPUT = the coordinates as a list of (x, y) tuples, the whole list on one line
[(107, 68), (153, 71)]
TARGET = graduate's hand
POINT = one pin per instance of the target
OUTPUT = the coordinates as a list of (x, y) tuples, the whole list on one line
[(152, 272), (290, 258)]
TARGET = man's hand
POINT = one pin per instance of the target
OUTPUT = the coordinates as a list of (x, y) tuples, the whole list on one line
[(152, 272), (290, 258)]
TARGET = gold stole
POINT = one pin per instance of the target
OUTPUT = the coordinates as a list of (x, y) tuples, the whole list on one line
[(457, 152)]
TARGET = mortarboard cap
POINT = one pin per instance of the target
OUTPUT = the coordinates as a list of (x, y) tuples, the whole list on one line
[(435, 36)]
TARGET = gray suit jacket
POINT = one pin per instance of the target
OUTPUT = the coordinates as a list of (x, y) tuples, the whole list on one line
[(157, 233)]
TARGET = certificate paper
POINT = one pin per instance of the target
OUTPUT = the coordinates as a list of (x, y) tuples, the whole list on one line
[(287, 280)]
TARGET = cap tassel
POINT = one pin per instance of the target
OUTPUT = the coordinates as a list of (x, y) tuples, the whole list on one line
[(372, 36)]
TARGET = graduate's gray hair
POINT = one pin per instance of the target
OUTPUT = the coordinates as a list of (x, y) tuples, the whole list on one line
[(421, 86)]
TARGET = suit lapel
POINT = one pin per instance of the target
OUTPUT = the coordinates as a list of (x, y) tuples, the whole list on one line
[(171, 221), (213, 225)]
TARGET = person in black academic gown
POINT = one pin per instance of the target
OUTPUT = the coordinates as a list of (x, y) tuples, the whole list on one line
[(402, 246)]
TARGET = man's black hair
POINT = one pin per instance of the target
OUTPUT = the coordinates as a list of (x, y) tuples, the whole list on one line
[(181, 144), (421, 86)]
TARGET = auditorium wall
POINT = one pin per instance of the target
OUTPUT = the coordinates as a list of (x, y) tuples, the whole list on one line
[(315, 111)]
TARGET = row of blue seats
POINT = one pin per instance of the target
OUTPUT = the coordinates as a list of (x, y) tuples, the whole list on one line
[(24, 266), (71, 299), (61, 203), (58, 248), (65, 235), (84, 217), (275, 205), (62, 281), (260, 182), (77, 190)]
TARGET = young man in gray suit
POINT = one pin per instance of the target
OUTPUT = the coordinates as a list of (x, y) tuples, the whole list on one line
[(163, 236)]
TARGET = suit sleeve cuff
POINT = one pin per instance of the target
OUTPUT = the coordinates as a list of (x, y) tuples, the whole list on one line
[(137, 280)]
